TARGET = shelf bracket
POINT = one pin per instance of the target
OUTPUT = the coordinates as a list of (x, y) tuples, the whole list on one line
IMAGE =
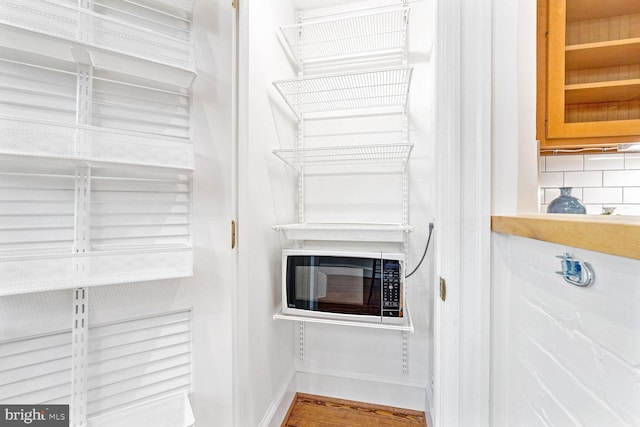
[(301, 180), (301, 341), (405, 352), (79, 357), (299, 53)]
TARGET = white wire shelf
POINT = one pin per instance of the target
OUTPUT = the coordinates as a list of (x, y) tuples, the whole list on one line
[(337, 93), (349, 232), (26, 137), (406, 325), (371, 32), (109, 41), (37, 273), (379, 153)]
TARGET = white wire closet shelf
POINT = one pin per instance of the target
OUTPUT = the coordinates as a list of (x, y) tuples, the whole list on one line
[(110, 42), (67, 224), (369, 32), (37, 273), (372, 90), (378, 153), (406, 325), (36, 138), (349, 232)]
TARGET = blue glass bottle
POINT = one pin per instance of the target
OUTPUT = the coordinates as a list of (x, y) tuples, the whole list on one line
[(566, 203)]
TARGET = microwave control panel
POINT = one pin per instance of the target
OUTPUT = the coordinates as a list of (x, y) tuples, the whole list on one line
[(391, 288)]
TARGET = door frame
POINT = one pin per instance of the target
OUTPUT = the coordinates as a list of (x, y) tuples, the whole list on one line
[(463, 196)]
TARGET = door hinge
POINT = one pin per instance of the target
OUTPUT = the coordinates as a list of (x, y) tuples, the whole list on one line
[(443, 289), (234, 3), (233, 234)]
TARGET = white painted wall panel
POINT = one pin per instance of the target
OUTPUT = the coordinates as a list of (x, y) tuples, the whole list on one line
[(265, 351), (569, 354)]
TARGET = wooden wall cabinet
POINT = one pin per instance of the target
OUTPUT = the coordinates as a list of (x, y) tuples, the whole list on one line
[(588, 73)]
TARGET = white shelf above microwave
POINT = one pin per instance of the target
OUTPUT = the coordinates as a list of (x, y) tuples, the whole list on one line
[(352, 232), (381, 31)]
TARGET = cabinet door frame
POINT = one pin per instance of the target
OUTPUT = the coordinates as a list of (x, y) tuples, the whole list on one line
[(552, 128)]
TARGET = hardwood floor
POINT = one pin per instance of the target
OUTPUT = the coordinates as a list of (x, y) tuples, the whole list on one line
[(308, 410)]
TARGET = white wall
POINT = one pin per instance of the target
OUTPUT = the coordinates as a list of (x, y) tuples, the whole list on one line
[(264, 351), (208, 291), (564, 355), (561, 355)]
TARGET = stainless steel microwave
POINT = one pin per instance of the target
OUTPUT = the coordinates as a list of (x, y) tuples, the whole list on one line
[(363, 286)]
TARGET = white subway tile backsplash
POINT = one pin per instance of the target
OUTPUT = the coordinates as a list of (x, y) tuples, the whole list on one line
[(564, 163), (598, 180), (550, 194), (631, 195), (626, 178), (628, 209), (602, 195), (604, 161), (551, 179), (577, 192), (593, 209), (583, 179), (632, 161)]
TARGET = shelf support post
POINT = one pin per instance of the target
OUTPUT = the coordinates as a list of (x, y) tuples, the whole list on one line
[(300, 143), (300, 52), (81, 245), (300, 131), (79, 357), (84, 102), (301, 341), (85, 23), (405, 180), (405, 38), (405, 352)]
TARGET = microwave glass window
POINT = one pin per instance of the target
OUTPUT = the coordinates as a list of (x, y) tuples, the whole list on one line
[(334, 284)]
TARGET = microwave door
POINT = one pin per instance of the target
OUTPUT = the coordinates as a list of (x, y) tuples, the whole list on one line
[(335, 284)]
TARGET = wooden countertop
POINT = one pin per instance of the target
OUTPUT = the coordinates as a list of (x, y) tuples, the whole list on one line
[(610, 234)]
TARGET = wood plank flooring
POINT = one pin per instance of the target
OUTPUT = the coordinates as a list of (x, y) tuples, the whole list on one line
[(308, 410)]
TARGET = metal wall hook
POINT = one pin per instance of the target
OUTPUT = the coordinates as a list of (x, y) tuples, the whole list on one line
[(575, 272)]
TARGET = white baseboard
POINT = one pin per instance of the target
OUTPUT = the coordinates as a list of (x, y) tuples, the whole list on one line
[(280, 404), (428, 404), (429, 418), (370, 389)]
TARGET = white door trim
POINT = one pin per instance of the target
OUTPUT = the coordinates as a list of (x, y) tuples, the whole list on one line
[(462, 323)]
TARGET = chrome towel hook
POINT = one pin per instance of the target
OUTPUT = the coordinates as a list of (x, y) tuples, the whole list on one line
[(576, 272)]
